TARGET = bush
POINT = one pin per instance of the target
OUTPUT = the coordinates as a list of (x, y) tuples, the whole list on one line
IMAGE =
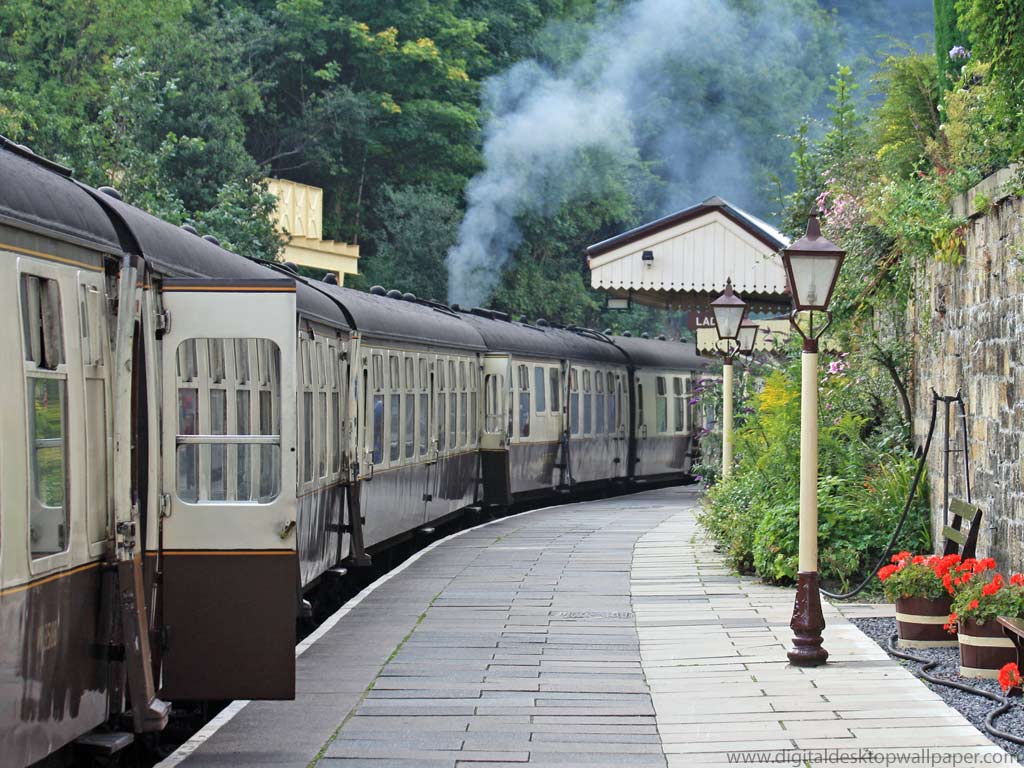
[(865, 474)]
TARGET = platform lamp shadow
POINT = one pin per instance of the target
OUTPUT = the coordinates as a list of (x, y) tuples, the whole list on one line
[(812, 266), (729, 311)]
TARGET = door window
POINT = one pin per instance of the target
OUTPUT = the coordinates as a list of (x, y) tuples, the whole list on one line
[(229, 430), (524, 401)]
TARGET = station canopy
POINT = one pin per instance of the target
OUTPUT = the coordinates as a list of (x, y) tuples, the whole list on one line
[(681, 261)]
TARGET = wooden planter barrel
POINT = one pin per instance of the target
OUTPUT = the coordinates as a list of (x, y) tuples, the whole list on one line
[(984, 649), (919, 622)]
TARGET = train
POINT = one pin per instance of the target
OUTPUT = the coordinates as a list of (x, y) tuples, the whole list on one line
[(194, 441)]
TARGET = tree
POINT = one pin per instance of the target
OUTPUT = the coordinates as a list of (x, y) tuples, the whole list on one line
[(418, 225)]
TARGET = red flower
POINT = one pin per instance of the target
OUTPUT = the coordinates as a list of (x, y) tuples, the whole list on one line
[(900, 556), (984, 565), (1009, 677), (886, 571), (950, 626), (1017, 579), (972, 605), (992, 587), (917, 559), (947, 582)]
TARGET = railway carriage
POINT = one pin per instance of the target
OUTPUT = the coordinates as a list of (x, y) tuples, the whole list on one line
[(664, 424), (417, 395), (193, 440)]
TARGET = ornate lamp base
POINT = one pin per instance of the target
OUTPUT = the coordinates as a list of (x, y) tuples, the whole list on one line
[(807, 623)]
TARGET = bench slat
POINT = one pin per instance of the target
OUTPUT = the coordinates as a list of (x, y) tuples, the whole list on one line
[(962, 508), (953, 534)]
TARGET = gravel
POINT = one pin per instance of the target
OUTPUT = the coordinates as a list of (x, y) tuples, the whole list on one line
[(974, 708)]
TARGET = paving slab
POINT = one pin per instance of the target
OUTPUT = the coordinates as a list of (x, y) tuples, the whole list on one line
[(724, 692), (606, 633)]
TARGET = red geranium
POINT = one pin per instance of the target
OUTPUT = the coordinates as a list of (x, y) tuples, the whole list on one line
[(926, 576), (1009, 677)]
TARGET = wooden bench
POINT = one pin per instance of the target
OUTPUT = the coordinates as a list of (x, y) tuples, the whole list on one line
[(1014, 629), (955, 536)]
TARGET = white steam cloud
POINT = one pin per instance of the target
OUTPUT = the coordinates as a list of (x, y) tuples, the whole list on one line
[(683, 83)]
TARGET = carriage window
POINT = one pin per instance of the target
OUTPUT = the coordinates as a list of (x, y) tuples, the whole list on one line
[(538, 385), (613, 407), (229, 435), (396, 423), (661, 404), (41, 321), (440, 421), (378, 371), (322, 420), (218, 453), (452, 384), (453, 418), (679, 401), (462, 375), (331, 362), (307, 436), (640, 404), (378, 429), (423, 374), (599, 403), (48, 518), (555, 389), (493, 389), (524, 401), (395, 366), (410, 378), (336, 425), (586, 403), (574, 402), (472, 416), (242, 361), (424, 423), (410, 421), (463, 418)]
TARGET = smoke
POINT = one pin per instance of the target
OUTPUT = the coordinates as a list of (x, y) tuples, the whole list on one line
[(700, 89)]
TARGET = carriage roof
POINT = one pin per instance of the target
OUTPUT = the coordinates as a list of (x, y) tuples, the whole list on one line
[(39, 195), (661, 353), (542, 341)]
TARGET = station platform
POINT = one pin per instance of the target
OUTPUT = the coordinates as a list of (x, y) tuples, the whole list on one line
[(589, 634)]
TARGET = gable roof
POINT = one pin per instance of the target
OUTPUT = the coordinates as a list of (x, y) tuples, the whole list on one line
[(678, 261), (763, 231)]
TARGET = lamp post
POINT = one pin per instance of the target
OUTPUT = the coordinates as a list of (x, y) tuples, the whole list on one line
[(729, 310), (812, 266)]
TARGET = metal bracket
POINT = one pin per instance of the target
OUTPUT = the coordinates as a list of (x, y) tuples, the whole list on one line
[(163, 321)]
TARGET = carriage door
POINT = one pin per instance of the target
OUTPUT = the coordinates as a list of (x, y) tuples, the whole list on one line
[(428, 446), (229, 451)]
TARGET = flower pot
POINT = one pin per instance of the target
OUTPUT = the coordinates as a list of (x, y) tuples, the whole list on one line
[(919, 622), (984, 649)]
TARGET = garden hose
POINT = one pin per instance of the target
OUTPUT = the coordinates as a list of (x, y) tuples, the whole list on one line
[(922, 458), (1005, 703)]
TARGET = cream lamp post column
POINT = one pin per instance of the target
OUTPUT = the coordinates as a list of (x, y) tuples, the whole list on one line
[(729, 310), (812, 266)]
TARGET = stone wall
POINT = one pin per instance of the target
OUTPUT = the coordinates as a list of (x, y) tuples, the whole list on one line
[(967, 326)]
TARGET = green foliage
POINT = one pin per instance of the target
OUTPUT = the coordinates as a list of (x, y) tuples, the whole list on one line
[(948, 34), (907, 124), (865, 475), (417, 226), (914, 580)]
